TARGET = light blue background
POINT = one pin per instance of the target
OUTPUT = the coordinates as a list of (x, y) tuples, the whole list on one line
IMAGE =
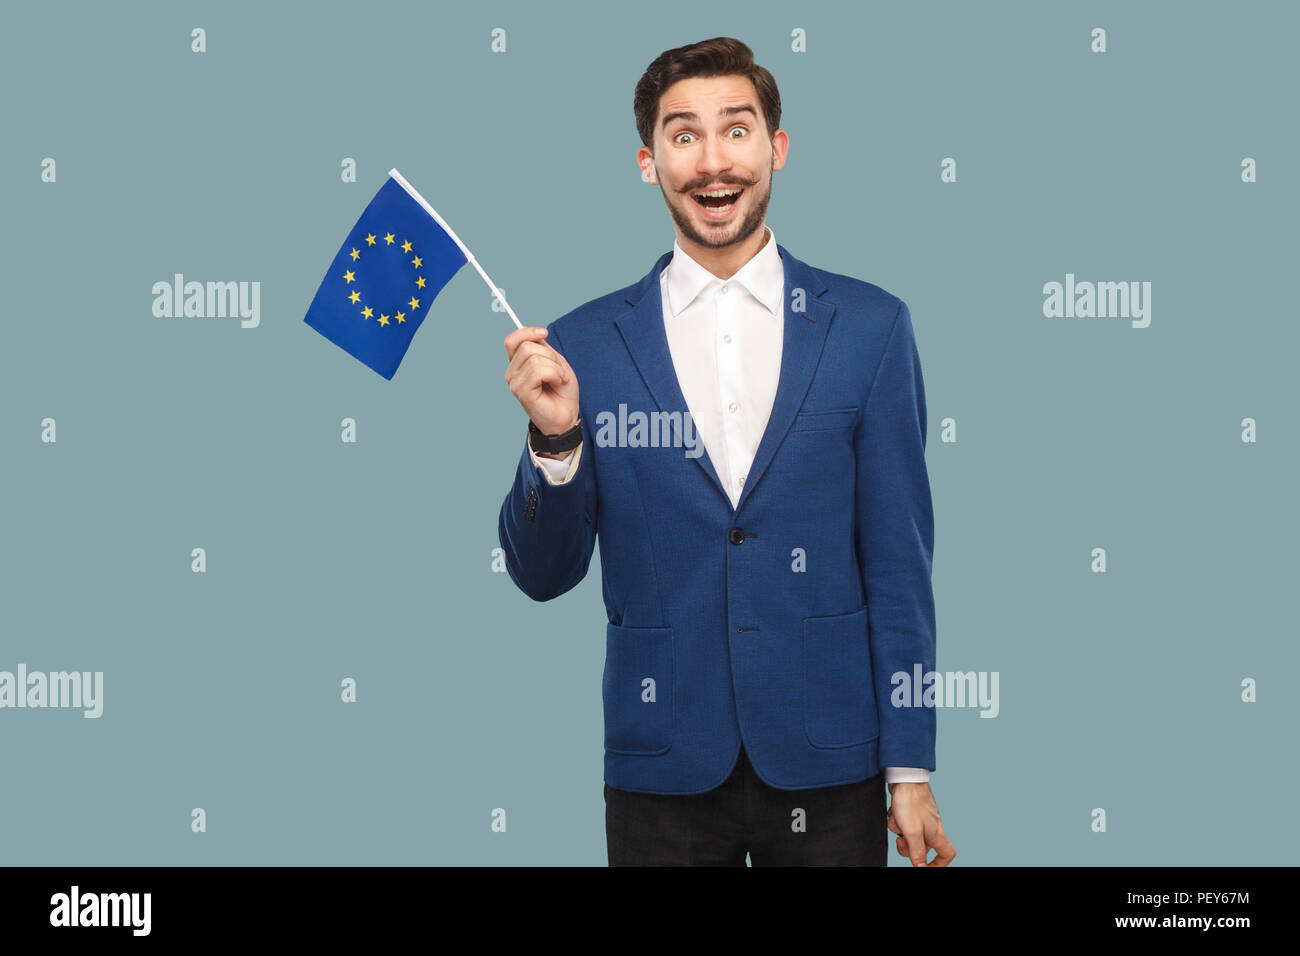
[(373, 560)]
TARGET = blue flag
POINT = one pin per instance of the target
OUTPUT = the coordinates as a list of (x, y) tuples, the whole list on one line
[(379, 287)]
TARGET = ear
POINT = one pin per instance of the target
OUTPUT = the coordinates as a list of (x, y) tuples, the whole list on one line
[(645, 161)]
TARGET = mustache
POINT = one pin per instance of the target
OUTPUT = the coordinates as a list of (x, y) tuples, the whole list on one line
[(726, 182)]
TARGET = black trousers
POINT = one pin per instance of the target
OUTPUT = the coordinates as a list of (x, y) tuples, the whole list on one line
[(843, 825)]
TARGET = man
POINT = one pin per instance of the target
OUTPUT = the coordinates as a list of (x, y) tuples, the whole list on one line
[(760, 597)]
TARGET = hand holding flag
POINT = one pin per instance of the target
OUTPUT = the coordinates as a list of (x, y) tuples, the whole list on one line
[(542, 380)]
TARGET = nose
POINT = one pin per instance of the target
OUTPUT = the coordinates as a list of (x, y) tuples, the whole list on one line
[(713, 159)]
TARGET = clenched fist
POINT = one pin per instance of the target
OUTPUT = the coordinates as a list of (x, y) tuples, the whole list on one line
[(541, 380)]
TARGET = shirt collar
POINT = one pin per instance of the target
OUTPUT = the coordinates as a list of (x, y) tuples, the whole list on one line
[(762, 276)]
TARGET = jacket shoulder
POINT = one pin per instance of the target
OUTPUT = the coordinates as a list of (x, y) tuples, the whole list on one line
[(594, 313), (859, 297)]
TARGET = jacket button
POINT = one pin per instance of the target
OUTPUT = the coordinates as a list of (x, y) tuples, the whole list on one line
[(737, 535)]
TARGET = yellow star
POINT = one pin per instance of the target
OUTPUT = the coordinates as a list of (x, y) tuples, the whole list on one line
[(406, 246), (355, 255), (370, 240), (419, 282), (389, 239), (383, 319), (417, 262), (401, 317), (348, 276), (415, 303), (355, 297), (367, 312)]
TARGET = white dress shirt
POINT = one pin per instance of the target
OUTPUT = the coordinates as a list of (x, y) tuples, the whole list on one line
[(725, 337)]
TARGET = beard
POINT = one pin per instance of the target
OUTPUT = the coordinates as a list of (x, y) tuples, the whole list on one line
[(720, 238)]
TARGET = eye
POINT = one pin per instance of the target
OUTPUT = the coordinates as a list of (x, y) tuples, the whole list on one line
[(743, 129)]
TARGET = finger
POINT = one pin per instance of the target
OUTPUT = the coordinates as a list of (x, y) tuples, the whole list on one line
[(525, 349), (526, 352), (528, 333), (902, 847), (893, 824), (525, 376), (514, 344), (538, 372), (563, 361), (916, 846), (944, 850)]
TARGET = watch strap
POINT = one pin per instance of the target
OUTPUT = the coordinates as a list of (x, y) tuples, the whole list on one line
[(554, 444)]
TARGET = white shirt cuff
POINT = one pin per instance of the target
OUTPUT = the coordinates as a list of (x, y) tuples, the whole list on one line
[(557, 470), (907, 775)]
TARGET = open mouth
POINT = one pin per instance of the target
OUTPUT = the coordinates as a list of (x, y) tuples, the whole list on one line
[(716, 203)]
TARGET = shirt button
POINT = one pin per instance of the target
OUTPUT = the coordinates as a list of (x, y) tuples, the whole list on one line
[(732, 407), (726, 338), (724, 288), (740, 480)]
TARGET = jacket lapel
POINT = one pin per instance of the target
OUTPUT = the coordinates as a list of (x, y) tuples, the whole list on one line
[(803, 335), (646, 338), (802, 339)]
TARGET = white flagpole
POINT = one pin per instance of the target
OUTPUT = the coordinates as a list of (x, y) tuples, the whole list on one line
[(495, 291), (455, 238)]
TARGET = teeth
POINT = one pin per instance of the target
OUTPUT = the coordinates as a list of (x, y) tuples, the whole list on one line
[(715, 193)]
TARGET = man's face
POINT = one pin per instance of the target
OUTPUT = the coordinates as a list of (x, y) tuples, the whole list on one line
[(710, 134)]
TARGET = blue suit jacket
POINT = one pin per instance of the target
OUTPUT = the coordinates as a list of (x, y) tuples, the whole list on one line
[(782, 621)]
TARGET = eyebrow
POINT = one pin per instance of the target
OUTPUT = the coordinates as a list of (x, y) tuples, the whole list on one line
[(724, 112)]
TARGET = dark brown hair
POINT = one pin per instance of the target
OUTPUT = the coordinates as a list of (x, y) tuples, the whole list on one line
[(720, 56)]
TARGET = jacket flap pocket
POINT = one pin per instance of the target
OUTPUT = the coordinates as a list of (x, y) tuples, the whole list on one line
[(829, 418)]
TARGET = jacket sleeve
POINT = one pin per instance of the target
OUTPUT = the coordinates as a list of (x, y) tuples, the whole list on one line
[(895, 546), (548, 531)]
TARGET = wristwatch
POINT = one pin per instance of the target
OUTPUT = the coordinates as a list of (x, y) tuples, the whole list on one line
[(553, 444)]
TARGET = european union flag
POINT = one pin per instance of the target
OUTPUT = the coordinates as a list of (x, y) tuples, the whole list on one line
[(379, 287)]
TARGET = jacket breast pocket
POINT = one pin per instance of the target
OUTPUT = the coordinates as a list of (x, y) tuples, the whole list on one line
[(638, 689), (839, 695), (831, 418)]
